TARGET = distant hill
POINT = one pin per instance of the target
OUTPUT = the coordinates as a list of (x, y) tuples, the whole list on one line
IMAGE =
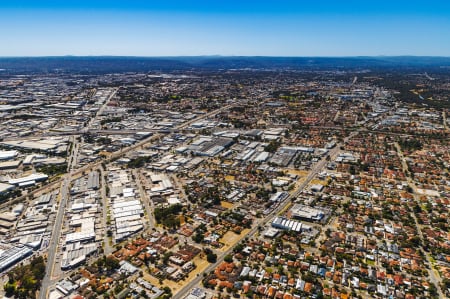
[(107, 64)]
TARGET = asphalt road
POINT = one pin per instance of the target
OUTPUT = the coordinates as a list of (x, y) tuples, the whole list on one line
[(53, 246), (317, 168), (146, 201), (66, 180), (52, 250), (434, 278), (100, 111), (108, 249)]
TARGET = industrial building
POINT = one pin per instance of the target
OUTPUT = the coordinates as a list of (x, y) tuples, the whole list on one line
[(85, 231), (93, 180), (279, 196), (13, 256), (29, 179), (288, 224), (127, 215), (54, 145), (307, 213), (6, 187), (126, 210), (8, 155), (210, 147)]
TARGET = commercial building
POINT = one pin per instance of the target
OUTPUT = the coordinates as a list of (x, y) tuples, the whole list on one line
[(279, 196), (93, 180), (10, 164), (13, 256), (307, 213), (86, 230), (127, 212), (8, 155), (29, 180), (6, 187), (196, 293), (288, 224)]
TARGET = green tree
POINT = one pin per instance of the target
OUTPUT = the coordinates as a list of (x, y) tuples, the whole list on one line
[(111, 263), (228, 258), (211, 257), (198, 237)]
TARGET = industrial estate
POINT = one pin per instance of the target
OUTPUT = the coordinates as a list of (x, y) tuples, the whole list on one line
[(227, 183)]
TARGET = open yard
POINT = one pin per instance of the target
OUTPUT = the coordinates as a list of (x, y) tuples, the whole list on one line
[(201, 265), (230, 239), (226, 204)]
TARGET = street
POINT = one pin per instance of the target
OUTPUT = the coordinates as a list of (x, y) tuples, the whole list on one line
[(220, 257), (434, 278), (65, 182)]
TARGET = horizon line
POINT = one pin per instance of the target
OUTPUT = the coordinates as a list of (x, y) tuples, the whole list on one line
[(220, 56)]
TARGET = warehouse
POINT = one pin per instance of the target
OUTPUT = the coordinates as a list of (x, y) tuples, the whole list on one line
[(30, 179), (76, 254), (124, 204), (261, 157), (13, 255), (44, 199), (283, 157), (287, 224), (31, 240), (28, 227), (128, 212), (86, 230), (317, 188), (5, 188), (303, 212), (8, 216), (161, 184), (127, 216), (8, 155), (10, 164), (6, 224), (93, 180), (44, 145), (125, 230), (245, 155), (279, 196), (206, 146), (80, 237)]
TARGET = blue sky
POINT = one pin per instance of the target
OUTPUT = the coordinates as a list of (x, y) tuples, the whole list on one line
[(215, 27)]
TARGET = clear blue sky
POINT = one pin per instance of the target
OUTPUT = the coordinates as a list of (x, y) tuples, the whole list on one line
[(216, 27)]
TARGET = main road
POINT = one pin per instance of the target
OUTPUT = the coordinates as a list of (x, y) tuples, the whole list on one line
[(65, 185), (317, 168), (108, 249), (434, 278), (102, 108), (54, 240), (145, 198)]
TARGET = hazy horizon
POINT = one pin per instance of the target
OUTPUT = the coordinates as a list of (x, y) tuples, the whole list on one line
[(222, 56)]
